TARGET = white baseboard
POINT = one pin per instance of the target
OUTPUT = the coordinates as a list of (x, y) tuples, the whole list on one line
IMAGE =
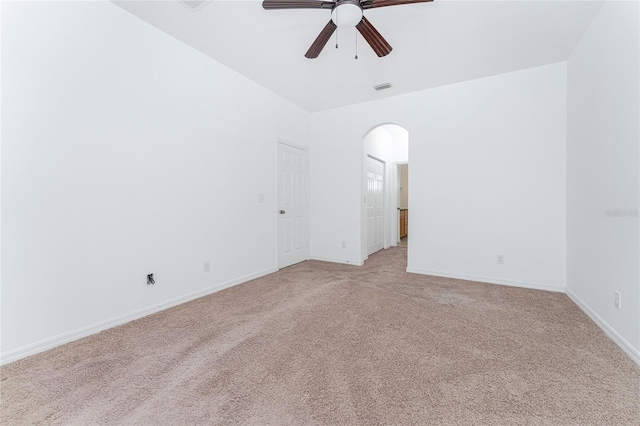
[(61, 339), (332, 260), (46, 344), (633, 353), (488, 280)]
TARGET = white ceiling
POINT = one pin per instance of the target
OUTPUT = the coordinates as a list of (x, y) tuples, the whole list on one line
[(434, 44)]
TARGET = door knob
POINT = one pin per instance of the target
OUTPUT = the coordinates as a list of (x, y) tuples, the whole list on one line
[(282, 212)]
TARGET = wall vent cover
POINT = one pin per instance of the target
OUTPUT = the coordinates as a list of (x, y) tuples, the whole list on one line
[(382, 86), (195, 5)]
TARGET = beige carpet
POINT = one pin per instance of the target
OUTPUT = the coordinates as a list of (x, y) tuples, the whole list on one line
[(326, 344)]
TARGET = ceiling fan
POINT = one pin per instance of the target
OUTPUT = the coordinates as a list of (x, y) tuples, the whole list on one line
[(344, 13)]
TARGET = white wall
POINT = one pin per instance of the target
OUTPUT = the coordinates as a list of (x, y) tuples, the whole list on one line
[(125, 152), (603, 164), (488, 173)]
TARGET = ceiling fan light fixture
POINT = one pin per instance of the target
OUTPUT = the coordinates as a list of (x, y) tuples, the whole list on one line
[(347, 14), (344, 13)]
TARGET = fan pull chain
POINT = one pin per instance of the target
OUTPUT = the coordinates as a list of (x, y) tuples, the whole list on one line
[(356, 44), (337, 28)]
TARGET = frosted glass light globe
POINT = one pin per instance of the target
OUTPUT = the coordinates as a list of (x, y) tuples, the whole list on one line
[(346, 15)]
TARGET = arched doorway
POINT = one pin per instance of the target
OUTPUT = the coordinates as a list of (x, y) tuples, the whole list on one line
[(385, 154)]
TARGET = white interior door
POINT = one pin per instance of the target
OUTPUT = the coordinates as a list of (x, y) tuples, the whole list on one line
[(293, 205), (375, 205)]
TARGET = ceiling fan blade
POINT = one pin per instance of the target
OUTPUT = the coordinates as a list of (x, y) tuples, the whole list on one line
[(322, 39), (369, 4), (297, 4), (373, 37)]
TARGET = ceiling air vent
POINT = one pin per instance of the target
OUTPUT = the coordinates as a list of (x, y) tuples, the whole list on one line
[(382, 86), (195, 5)]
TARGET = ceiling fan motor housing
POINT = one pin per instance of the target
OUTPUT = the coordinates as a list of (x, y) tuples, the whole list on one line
[(347, 13)]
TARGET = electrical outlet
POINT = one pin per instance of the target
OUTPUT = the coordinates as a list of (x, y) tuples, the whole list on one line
[(500, 259), (617, 301), (207, 265), (343, 244), (261, 198)]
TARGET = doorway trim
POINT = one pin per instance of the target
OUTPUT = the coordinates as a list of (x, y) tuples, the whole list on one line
[(398, 154), (395, 226)]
